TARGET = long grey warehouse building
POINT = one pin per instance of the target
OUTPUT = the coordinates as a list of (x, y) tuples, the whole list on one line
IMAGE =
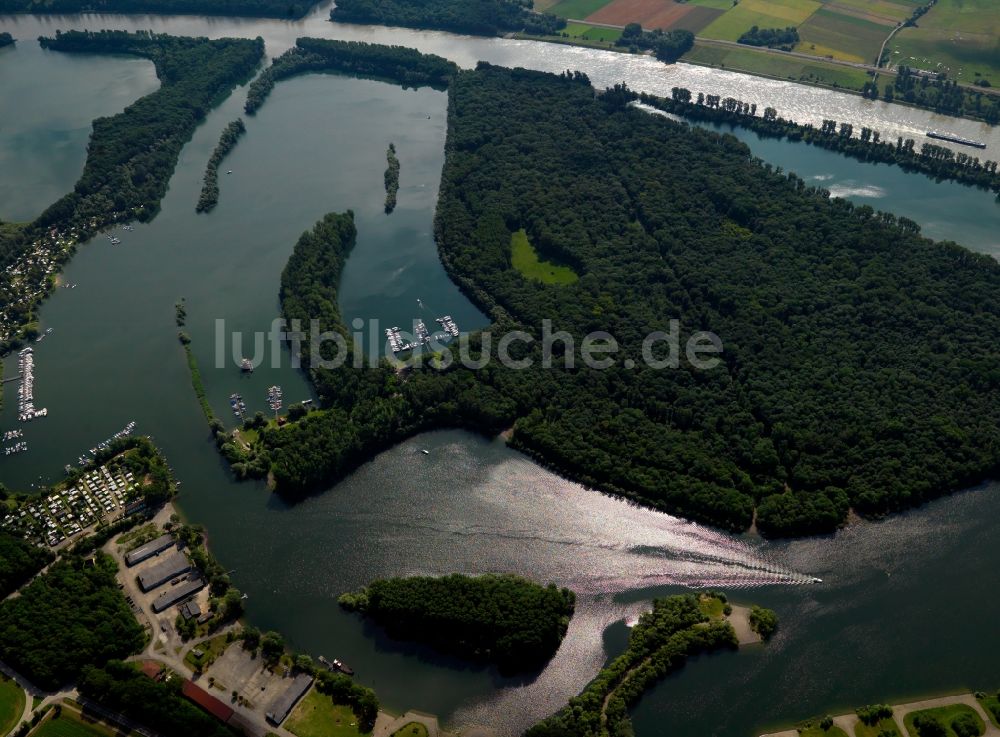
[(150, 549), (178, 593), (282, 706), (173, 565)]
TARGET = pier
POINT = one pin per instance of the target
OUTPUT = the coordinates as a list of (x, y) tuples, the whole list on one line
[(26, 410)]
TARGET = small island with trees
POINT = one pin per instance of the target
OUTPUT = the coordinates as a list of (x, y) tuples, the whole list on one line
[(6, 39), (502, 619), (391, 178)]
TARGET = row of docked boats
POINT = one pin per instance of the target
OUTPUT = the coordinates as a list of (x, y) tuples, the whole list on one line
[(274, 397), (127, 430), (26, 410), (421, 336), (16, 448), (238, 406)]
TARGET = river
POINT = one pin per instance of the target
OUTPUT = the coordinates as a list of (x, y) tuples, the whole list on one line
[(905, 606)]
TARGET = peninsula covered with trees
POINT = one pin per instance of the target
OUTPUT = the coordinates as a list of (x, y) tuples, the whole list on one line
[(474, 17), (677, 628), (502, 619), (130, 156), (405, 66), (227, 142), (724, 243)]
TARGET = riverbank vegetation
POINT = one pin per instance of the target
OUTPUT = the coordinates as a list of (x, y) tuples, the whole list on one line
[(71, 617), (502, 619), (252, 8), (659, 644), (6, 39), (391, 178), (953, 720), (225, 602), (399, 64), (227, 142), (865, 144), (130, 157), (474, 17)]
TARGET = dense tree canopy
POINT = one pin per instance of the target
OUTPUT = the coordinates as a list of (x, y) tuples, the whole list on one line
[(123, 688), (73, 616), (507, 620), (476, 17), (19, 561), (783, 38)]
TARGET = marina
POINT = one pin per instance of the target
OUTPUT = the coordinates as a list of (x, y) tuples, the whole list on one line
[(16, 448), (274, 399), (26, 410), (421, 335), (127, 430), (238, 406), (448, 325)]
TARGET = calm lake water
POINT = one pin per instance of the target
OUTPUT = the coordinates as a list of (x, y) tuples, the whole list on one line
[(902, 610)]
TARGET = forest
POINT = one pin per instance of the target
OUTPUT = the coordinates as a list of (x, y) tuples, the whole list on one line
[(256, 8), (130, 156), (405, 66), (210, 188), (502, 619), (158, 705), (19, 561), (938, 92), (474, 17), (859, 361), (658, 645), (72, 617)]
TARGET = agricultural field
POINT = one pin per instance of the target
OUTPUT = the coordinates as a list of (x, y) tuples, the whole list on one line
[(778, 65), (958, 37), (650, 14), (762, 13), (592, 33), (11, 704), (842, 36), (577, 9)]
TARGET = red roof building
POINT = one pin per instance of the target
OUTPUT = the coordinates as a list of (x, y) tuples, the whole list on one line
[(206, 701)]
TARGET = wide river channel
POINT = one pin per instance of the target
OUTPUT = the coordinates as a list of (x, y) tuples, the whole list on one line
[(905, 609)]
